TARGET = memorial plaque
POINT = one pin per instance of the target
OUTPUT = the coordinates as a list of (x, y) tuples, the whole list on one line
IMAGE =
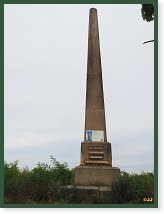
[(94, 135), (98, 136)]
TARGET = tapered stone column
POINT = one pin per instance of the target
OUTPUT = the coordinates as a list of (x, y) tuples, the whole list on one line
[(95, 111), (96, 155), (95, 150)]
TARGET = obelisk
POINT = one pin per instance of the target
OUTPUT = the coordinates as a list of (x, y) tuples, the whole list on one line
[(95, 149), (95, 111), (96, 155)]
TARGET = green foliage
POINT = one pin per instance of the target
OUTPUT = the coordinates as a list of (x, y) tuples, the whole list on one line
[(11, 184), (147, 11), (49, 184), (76, 196), (121, 191), (41, 184), (132, 188), (60, 172)]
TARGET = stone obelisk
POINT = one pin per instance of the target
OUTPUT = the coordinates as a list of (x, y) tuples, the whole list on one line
[(96, 155), (95, 112), (99, 152)]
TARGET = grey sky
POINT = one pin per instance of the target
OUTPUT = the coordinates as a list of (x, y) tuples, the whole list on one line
[(45, 82)]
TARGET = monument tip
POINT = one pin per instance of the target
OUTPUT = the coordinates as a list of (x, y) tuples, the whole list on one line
[(93, 9)]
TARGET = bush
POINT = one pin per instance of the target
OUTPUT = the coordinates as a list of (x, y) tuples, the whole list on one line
[(40, 185), (132, 188), (12, 176), (48, 184)]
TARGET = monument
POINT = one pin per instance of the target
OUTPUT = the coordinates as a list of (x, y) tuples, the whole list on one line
[(96, 154)]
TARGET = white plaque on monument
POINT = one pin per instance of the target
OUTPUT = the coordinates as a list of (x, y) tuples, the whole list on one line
[(98, 136), (94, 135)]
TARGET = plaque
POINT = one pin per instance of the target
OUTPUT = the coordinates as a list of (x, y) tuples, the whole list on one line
[(94, 135)]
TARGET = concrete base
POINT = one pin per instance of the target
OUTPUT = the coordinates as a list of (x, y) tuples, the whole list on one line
[(92, 193), (95, 175)]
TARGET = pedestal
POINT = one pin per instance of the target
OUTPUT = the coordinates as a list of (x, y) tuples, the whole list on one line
[(95, 175), (96, 153)]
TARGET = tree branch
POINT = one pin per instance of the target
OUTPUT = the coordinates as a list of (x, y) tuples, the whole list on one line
[(148, 41)]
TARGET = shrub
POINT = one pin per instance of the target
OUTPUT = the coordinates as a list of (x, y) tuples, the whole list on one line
[(12, 181), (132, 188), (41, 184), (48, 184)]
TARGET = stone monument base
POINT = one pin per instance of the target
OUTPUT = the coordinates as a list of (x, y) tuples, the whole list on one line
[(95, 175), (93, 194)]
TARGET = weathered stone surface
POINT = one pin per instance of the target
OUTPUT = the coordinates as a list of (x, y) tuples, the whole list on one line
[(96, 153), (95, 112), (93, 194), (104, 195), (95, 175)]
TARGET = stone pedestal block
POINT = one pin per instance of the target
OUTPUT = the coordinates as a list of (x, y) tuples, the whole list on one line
[(96, 153), (95, 175)]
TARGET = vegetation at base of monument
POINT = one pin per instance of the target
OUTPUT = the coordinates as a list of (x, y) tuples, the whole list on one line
[(132, 188), (41, 184), (45, 184)]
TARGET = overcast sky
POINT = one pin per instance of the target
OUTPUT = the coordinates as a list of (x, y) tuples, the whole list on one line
[(45, 83)]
